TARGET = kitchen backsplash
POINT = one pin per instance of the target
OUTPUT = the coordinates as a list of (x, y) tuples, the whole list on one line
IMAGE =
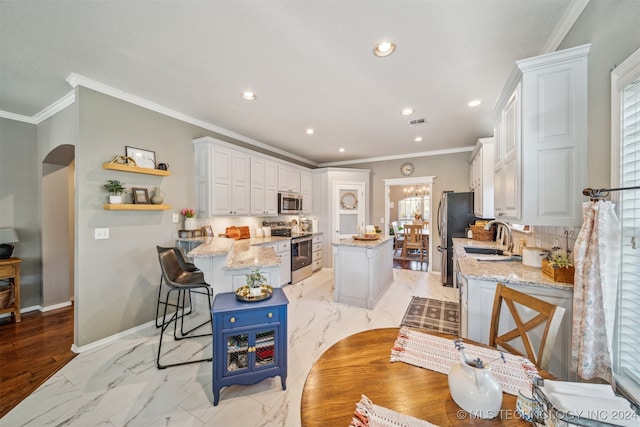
[(548, 237)]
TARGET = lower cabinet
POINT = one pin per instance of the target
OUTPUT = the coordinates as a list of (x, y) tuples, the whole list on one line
[(283, 249), (317, 252), (249, 340), (476, 306)]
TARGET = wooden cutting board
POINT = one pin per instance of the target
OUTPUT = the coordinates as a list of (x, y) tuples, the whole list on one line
[(237, 233)]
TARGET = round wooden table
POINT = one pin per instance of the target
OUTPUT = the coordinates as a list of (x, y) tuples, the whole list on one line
[(359, 364)]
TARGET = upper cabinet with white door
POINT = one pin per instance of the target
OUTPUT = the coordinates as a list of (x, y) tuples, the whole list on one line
[(288, 179), (222, 179), (540, 140), (305, 191), (481, 178), (264, 186)]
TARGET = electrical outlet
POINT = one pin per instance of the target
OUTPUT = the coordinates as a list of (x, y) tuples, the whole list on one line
[(176, 218), (381, 220), (101, 233)]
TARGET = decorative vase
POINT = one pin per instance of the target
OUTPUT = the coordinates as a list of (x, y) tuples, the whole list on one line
[(190, 224), (475, 389), (115, 200), (157, 197)]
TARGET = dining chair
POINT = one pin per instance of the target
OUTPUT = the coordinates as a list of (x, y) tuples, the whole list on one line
[(548, 314), (399, 236), (413, 240), (186, 265), (181, 281)]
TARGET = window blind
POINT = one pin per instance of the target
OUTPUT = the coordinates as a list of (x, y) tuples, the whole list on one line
[(627, 344)]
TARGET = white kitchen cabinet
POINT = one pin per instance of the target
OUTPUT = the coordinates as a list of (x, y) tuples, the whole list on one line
[(540, 140), (476, 306), (222, 179), (317, 252), (305, 191), (264, 187), (481, 178), (283, 249), (288, 179)]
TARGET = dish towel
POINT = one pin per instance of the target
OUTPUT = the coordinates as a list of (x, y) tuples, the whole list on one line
[(439, 354), (368, 414)]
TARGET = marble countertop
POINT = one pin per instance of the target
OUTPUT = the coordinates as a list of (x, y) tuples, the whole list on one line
[(363, 243), (508, 272)]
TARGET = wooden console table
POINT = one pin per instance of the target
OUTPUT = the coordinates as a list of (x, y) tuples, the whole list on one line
[(10, 270)]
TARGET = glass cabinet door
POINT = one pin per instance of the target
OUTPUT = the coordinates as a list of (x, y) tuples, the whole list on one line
[(237, 352), (265, 348)]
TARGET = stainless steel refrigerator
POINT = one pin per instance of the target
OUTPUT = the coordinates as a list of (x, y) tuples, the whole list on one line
[(455, 213)]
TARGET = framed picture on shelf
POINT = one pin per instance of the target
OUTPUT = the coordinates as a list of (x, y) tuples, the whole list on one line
[(143, 158), (140, 196)]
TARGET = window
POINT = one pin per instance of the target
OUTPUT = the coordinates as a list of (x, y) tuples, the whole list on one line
[(626, 165), (410, 206)]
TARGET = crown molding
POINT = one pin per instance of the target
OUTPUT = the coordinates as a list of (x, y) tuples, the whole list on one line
[(77, 80), (400, 156), (17, 117), (564, 26), (56, 107)]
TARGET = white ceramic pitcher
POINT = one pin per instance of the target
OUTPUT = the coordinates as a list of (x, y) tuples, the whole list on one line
[(475, 389)]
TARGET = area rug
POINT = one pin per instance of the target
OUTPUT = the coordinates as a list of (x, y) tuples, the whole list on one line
[(433, 314)]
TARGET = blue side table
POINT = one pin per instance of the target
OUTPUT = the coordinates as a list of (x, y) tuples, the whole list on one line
[(249, 340)]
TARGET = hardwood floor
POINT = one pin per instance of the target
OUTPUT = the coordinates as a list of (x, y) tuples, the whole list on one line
[(31, 351), (410, 265)]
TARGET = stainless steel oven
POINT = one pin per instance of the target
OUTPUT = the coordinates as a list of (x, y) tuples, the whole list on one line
[(301, 257), (289, 203)]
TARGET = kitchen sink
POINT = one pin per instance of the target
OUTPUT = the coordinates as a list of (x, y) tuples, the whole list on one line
[(484, 251)]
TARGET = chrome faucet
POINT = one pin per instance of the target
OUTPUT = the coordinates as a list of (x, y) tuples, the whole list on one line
[(509, 237)]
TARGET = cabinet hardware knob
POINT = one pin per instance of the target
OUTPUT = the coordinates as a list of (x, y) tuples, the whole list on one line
[(232, 320), (270, 315)]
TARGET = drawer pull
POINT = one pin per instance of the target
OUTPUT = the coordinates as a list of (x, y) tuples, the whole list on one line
[(232, 320), (270, 315)]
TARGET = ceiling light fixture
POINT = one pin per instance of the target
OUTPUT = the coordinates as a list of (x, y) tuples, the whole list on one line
[(384, 49), (341, 150), (248, 95), (417, 139), (474, 103), (310, 131), (407, 111)]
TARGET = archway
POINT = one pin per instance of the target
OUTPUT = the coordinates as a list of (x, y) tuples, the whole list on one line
[(57, 202)]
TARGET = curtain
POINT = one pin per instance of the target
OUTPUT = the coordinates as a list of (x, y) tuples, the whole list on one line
[(596, 260)]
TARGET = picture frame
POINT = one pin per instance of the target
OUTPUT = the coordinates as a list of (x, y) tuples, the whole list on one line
[(143, 158), (140, 196), (207, 230)]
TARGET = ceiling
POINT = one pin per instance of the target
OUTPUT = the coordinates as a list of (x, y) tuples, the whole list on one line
[(310, 63)]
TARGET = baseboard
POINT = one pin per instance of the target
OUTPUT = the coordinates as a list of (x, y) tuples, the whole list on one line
[(111, 338), (23, 310), (56, 306)]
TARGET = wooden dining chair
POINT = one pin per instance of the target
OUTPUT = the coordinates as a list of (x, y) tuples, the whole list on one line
[(546, 313), (399, 237), (413, 240)]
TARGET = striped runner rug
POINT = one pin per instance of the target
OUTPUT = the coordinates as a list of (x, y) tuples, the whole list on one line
[(433, 314)]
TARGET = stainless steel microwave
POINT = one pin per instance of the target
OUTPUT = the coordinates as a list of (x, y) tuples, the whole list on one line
[(289, 203)]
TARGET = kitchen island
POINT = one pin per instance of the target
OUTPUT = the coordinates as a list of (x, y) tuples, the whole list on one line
[(363, 269), (226, 262), (476, 281)]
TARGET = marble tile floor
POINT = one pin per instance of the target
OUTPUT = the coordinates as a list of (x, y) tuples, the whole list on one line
[(119, 385)]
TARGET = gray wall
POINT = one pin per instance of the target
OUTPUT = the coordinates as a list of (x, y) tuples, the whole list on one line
[(19, 201), (613, 29)]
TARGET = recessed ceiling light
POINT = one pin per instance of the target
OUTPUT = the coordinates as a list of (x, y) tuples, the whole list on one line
[(474, 103), (310, 131), (248, 95), (407, 111), (384, 49), (341, 150), (417, 139)]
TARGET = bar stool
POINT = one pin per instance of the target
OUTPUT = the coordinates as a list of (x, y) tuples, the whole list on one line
[(182, 282), (186, 265)]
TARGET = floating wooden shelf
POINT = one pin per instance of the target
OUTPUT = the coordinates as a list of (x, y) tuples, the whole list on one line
[(132, 207), (134, 169)]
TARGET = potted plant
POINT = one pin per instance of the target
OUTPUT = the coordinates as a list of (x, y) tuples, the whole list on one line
[(115, 189), (255, 280), (557, 266)]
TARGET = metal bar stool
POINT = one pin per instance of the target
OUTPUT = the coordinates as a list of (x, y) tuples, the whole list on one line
[(186, 265), (181, 282)]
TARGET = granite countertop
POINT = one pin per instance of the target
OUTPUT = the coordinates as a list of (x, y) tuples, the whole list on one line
[(242, 254), (363, 243), (508, 272)]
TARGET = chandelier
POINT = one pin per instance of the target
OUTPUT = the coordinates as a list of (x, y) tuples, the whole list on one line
[(415, 191)]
